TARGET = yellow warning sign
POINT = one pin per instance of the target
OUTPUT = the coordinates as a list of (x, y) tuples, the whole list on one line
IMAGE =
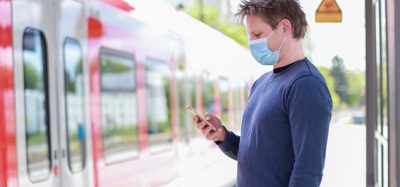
[(328, 11)]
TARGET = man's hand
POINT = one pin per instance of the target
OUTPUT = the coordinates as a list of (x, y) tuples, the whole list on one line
[(205, 127)]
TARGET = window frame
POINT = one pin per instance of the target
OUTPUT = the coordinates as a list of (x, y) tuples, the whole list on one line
[(155, 148), (119, 54), (47, 118), (76, 43)]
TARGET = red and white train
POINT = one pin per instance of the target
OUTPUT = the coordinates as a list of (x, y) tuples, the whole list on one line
[(92, 93)]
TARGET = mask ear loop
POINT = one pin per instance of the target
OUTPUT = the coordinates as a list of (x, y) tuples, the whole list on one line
[(269, 36), (284, 39)]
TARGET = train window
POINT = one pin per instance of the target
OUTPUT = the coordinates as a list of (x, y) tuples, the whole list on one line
[(223, 86), (119, 114), (208, 91), (74, 104), (237, 107), (186, 97), (158, 104), (36, 94), (381, 133)]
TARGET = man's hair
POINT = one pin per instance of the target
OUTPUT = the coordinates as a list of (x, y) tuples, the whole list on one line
[(273, 11)]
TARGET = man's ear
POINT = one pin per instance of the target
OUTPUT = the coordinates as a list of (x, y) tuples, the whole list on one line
[(287, 27)]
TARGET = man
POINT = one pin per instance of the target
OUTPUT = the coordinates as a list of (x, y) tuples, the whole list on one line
[(286, 120)]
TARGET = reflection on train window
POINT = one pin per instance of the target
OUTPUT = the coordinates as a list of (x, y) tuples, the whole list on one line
[(74, 104), (36, 105), (119, 114), (246, 92), (237, 107), (158, 104), (207, 92), (223, 86), (381, 132), (186, 97)]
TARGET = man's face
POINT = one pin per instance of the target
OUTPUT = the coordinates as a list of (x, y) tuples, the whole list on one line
[(257, 28)]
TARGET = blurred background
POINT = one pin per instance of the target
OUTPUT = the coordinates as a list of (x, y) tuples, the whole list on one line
[(338, 50), (93, 92)]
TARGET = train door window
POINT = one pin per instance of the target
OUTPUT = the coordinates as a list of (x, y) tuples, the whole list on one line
[(223, 86), (119, 114), (74, 104), (208, 93), (158, 104), (381, 134), (36, 94)]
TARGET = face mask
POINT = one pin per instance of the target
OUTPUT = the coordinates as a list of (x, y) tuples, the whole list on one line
[(260, 50)]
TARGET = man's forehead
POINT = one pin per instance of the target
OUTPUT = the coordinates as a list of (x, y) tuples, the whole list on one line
[(255, 22)]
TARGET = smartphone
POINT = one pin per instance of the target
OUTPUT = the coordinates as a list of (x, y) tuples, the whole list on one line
[(194, 113)]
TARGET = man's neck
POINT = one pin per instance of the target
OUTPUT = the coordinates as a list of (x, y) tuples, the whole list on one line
[(293, 54)]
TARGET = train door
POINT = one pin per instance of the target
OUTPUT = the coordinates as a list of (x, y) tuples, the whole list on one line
[(377, 102), (72, 88), (50, 93), (35, 98)]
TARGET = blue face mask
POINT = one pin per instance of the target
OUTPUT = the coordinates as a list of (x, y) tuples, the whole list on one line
[(260, 50)]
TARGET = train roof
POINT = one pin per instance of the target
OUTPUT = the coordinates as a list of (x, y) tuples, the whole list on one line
[(207, 49)]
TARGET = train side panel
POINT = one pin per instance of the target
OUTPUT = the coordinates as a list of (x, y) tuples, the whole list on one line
[(8, 162), (115, 38)]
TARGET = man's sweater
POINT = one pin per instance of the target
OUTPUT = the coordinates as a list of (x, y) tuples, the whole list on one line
[(284, 130)]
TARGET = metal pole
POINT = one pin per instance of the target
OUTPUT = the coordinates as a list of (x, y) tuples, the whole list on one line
[(397, 82), (393, 32), (371, 93)]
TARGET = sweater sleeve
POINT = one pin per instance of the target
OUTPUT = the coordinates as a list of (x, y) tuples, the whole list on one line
[(309, 107), (230, 146)]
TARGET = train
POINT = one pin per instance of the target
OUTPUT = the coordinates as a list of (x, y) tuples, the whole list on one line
[(93, 93)]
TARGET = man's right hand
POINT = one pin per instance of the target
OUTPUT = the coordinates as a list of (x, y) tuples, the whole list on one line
[(206, 129)]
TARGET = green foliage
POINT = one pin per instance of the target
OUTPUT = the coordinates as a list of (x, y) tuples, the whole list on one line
[(356, 86), (338, 72), (111, 66), (211, 17), (79, 67), (31, 77), (330, 83)]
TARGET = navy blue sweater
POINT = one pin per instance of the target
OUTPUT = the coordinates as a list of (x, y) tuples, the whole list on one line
[(284, 130)]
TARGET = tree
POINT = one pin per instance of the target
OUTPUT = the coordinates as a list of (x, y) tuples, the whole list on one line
[(338, 72), (31, 77), (330, 83), (356, 86)]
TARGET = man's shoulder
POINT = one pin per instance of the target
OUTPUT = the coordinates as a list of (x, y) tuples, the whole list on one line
[(306, 69)]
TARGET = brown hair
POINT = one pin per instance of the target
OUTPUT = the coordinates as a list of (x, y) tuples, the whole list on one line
[(273, 11)]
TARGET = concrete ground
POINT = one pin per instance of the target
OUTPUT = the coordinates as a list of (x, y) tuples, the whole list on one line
[(345, 164)]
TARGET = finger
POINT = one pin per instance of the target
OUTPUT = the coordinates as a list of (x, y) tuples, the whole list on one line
[(211, 118), (213, 135), (195, 119), (201, 125), (206, 130)]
